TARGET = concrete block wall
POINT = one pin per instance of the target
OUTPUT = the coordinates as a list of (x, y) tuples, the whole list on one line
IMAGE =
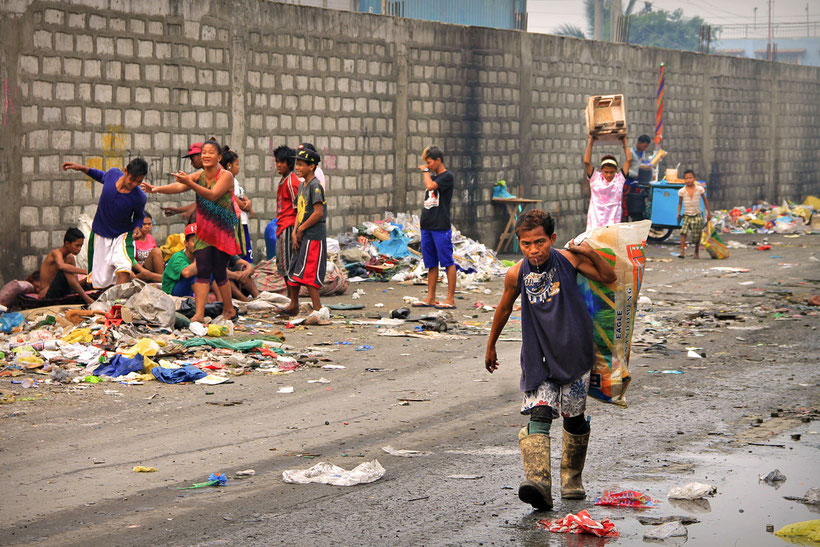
[(103, 81)]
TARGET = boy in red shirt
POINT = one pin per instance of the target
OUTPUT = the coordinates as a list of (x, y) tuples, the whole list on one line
[(286, 193)]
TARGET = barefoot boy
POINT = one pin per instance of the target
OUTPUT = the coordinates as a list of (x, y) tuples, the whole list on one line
[(58, 273), (689, 197), (556, 352), (436, 233), (310, 235)]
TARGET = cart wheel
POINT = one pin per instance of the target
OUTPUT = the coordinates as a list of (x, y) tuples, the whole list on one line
[(656, 235)]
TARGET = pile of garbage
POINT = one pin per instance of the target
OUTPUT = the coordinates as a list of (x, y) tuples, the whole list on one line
[(135, 334), (390, 250), (763, 218)]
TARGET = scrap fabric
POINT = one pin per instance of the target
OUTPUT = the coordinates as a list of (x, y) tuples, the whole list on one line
[(580, 523), (626, 498)]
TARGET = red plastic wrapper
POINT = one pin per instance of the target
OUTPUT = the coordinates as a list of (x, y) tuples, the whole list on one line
[(626, 498), (580, 523)]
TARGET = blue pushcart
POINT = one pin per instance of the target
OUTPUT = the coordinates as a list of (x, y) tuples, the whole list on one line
[(663, 208)]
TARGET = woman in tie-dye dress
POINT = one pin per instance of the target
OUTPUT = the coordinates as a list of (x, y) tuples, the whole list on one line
[(216, 226)]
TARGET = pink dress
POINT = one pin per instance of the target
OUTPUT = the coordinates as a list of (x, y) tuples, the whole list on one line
[(605, 200)]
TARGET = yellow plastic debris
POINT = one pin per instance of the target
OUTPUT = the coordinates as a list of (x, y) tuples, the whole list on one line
[(801, 533), (145, 346), (143, 469), (147, 365), (812, 201), (30, 361), (78, 335), (217, 330), (174, 243)]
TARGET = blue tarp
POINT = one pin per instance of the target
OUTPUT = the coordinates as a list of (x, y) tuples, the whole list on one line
[(121, 365), (396, 246), (188, 373)]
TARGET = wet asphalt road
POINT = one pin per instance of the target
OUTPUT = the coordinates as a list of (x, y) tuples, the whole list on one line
[(761, 358)]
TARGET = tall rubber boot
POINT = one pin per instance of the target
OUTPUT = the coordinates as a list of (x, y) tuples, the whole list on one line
[(535, 452), (573, 456)]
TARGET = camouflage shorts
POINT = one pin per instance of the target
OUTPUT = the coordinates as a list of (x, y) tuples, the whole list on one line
[(568, 400)]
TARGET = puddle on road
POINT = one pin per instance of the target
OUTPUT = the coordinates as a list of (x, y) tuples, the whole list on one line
[(735, 474)]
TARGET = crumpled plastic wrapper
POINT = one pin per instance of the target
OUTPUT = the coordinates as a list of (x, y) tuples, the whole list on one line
[(327, 473)]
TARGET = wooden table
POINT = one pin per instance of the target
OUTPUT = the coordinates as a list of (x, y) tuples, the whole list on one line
[(512, 208)]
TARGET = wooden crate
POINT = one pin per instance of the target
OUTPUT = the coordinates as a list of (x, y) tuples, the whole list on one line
[(606, 117)]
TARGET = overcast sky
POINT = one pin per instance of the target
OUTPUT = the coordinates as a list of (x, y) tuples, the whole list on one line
[(546, 15)]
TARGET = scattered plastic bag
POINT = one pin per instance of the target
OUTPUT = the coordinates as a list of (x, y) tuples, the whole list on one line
[(691, 491), (215, 479), (580, 523), (327, 473), (144, 346), (773, 477), (143, 469), (612, 307), (668, 530), (78, 336), (10, 321), (625, 498), (405, 453)]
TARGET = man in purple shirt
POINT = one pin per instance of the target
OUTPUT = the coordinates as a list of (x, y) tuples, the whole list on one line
[(120, 210)]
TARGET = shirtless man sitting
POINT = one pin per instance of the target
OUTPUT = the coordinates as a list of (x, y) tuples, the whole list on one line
[(58, 272)]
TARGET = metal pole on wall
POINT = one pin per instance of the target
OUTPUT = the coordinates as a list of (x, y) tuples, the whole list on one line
[(598, 21)]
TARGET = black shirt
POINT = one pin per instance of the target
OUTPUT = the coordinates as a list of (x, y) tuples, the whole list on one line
[(436, 212)]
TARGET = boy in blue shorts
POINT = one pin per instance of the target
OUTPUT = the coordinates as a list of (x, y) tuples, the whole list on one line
[(436, 234)]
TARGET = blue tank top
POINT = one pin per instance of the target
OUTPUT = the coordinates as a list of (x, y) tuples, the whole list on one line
[(556, 327)]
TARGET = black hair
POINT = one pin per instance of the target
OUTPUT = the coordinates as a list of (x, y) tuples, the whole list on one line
[(137, 167), (688, 171), (149, 215), (213, 143), (285, 153), (433, 152), (644, 138), (228, 156), (72, 235), (33, 276), (610, 157), (533, 219)]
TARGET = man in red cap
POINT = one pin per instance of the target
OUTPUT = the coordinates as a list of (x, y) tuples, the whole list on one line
[(180, 272), (195, 155)]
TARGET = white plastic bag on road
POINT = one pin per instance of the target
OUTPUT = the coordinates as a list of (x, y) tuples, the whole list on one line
[(691, 491), (327, 473)]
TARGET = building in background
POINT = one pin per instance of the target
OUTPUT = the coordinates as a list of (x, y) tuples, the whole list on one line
[(796, 43), (506, 14), (346, 5)]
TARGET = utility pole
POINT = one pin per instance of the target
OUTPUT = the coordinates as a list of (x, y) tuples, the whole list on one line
[(770, 48), (754, 25), (598, 21), (614, 20)]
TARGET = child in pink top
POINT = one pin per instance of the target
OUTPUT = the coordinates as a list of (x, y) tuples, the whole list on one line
[(149, 264), (606, 186)]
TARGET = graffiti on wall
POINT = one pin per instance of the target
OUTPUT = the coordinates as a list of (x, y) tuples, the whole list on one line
[(115, 154)]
